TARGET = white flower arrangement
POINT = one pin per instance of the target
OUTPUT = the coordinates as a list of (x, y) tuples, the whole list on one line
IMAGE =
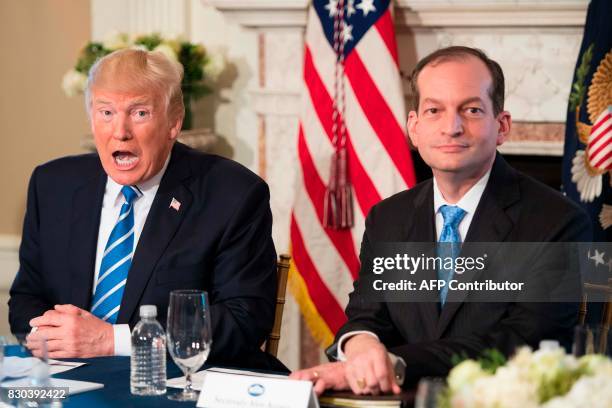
[(546, 378)]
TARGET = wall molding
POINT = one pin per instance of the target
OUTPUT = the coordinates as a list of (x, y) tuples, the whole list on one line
[(419, 13), (499, 13), (9, 242), (263, 13), (535, 148), (276, 102), (9, 259)]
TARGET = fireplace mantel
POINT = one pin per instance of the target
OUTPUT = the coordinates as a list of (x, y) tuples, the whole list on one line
[(264, 14)]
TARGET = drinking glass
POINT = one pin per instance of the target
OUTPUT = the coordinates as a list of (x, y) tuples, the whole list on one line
[(189, 335), (3, 343), (429, 392)]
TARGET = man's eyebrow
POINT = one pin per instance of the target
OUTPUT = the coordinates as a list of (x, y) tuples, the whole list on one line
[(140, 102), (431, 100), (472, 100)]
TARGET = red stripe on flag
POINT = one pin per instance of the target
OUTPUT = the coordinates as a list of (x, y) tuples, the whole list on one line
[(380, 117), (365, 192), (603, 160), (342, 239), (384, 25), (600, 122), (324, 301), (599, 136), (603, 145)]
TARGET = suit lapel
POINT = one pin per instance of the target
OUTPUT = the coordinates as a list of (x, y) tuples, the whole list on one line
[(422, 229), (490, 224), (160, 226), (84, 226)]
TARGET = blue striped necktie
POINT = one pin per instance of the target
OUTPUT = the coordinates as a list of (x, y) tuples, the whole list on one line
[(116, 261), (451, 243)]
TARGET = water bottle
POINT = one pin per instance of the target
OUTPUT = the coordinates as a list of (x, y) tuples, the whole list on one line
[(148, 361)]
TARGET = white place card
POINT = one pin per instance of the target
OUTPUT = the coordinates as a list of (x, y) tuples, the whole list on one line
[(223, 390)]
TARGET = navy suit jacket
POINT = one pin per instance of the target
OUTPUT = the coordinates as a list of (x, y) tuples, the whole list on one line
[(219, 240), (513, 208)]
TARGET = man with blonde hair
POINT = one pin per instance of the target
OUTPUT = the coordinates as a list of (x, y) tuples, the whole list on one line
[(105, 233)]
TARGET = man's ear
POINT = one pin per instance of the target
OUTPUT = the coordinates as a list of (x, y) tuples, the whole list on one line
[(175, 130), (505, 124), (411, 126)]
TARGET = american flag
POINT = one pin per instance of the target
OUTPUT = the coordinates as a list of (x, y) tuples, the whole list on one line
[(175, 204), (326, 260), (587, 151), (599, 145)]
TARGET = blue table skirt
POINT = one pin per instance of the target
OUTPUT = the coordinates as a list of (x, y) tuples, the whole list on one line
[(114, 373)]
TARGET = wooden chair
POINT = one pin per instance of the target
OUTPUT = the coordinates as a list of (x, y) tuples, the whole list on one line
[(282, 271), (597, 294)]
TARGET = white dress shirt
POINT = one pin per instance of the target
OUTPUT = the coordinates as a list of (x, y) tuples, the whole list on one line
[(111, 207), (468, 203)]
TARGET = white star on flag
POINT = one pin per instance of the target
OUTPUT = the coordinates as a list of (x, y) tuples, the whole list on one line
[(350, 8), (175, 204), (347, 33), (332, 7), (598, 257), (366, 6)]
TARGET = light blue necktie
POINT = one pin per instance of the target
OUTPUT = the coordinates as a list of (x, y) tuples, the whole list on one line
[(116, 261), (452, 243)]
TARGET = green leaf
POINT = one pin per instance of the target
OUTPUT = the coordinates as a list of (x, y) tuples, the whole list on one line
[(89, 55), (577, 95), (149, 41), (491, 360), (457, 359)]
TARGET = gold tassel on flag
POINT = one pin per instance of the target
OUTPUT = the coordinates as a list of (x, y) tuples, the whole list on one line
[(338, 205)]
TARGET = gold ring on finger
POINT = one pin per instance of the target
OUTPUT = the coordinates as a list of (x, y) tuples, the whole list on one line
[(361, 383)]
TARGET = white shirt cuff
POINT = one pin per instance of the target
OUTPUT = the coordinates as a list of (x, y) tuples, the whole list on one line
[(123, 339), (341, 356), (398, 363)]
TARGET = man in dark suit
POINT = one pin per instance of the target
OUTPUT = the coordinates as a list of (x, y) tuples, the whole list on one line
[(475, 196), (107, 232)]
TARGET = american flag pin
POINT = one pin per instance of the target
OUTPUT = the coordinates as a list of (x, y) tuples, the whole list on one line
[(175, 204)]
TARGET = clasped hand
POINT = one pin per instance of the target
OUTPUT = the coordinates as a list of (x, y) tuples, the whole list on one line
[(70, 332), (367, 369)]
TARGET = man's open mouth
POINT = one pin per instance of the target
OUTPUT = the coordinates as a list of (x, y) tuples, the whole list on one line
[(125, 159)]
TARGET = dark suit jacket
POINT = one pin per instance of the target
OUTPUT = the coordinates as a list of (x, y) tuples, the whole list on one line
[(219, 240), (513, 208)]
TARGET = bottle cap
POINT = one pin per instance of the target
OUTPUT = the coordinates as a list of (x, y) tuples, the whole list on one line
[(148, 311), (549, 345)]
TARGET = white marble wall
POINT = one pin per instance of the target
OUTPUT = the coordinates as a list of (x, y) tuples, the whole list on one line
[(538, 63)]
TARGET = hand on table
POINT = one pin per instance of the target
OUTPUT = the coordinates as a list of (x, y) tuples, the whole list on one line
[(368, 367), (329, 376), (71, 332)]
